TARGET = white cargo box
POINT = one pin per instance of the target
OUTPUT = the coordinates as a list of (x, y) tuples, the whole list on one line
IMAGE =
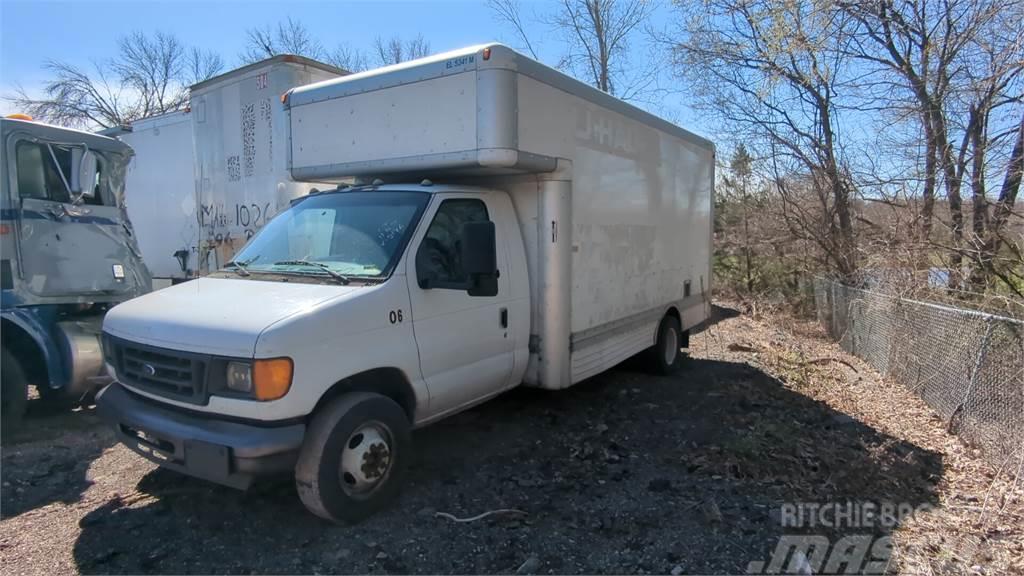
[(240, 138), (483, 109), (160, 193), (205, 179)]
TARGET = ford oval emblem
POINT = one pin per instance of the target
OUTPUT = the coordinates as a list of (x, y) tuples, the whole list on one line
[(149, 369)]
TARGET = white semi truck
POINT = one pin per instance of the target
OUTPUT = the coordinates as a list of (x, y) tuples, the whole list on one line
[(514, 226)]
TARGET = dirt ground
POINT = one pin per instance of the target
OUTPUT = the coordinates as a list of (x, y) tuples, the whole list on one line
[(625, 473)]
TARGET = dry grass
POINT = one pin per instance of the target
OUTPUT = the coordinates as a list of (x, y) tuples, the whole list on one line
[(977, 526)]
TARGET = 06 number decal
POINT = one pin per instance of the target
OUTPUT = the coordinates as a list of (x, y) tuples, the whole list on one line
[(395, 316)]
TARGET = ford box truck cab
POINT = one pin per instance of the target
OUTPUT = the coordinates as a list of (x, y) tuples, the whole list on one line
[(512, 227)]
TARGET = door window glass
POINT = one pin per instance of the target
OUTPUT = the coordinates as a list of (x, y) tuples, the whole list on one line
[(39, 176), (440, 255), (44, 172)]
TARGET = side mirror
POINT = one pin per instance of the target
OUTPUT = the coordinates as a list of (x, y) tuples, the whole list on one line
[(83, 171), (479, 258)]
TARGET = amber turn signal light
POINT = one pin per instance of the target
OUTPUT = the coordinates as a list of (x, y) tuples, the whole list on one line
[(271, 378)]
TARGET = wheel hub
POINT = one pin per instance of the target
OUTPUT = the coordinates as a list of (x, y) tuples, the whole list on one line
[(366, 459)]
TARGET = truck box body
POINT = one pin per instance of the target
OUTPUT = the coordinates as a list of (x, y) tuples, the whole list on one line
[(160, 192), (613, 204), (205, 179)]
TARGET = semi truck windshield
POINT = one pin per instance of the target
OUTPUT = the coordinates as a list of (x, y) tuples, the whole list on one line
[(352, 234)]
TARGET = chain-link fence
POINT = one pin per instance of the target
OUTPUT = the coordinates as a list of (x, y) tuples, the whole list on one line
[(967, 365)]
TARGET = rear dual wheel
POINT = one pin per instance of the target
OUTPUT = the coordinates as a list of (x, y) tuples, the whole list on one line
[(354, 458)]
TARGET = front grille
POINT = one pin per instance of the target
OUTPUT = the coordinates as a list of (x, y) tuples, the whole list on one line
[(170, 373)]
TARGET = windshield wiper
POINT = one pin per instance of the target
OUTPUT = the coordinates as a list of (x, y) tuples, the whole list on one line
[(239, 268), (340, 277)]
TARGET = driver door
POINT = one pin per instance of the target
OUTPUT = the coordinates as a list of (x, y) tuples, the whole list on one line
[(66, 248), (465, 342)]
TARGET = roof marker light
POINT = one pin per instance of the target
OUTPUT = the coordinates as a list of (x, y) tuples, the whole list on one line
[(19, 117), (487, 53)]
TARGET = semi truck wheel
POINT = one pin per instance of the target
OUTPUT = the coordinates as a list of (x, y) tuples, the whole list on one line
[(665, 356), (13, 390), (354, 457)]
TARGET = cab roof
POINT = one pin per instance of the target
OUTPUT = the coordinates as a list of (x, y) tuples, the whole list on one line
[(62, 134)]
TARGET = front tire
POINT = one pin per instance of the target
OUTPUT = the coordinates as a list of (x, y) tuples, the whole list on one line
[(354, 457), (665, 357), (13, 390)]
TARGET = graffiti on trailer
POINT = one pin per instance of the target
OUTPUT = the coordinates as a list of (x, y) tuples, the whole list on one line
[(220, 225)]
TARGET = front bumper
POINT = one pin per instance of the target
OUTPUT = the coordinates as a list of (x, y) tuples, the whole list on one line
[(229, 453)]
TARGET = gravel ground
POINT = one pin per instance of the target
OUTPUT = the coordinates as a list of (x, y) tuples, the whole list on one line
[(625, 473)]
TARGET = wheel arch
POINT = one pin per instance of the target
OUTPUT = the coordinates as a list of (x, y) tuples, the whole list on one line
[(387, 381), (27, 342), (673, 312)]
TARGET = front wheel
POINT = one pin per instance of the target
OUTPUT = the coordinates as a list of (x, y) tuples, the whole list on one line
[(354, 457), (665, 356)]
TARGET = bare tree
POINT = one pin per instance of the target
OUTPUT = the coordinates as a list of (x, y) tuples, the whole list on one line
[(771, 73), (150, 75), (288, 37), (77, 98), (509, 11), (349, 59), (596, 38), (201, 65), (154, 68), (394, 50), (955, 63), (601, 29)]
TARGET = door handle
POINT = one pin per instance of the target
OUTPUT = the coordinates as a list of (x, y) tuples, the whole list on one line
[(504, 317)]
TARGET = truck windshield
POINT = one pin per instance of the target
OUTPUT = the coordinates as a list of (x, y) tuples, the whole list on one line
[(352, 234)]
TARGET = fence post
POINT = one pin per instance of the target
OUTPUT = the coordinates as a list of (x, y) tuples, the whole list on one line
[(982, 351)]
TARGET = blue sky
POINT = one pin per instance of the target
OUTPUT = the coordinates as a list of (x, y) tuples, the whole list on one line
[(83, 31)]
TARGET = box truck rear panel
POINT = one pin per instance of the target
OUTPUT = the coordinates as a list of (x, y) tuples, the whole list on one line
[(241, 136)]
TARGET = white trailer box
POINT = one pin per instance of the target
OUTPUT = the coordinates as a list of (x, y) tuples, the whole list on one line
[(205, 179), (240, 139), (560, 231), (160, 193), (614, 204)]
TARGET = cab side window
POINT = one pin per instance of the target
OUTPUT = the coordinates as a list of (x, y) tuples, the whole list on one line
[(38, 175), (439, 259)]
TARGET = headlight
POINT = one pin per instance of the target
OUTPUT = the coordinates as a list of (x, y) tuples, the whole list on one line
[(267, 379), (239, 377)]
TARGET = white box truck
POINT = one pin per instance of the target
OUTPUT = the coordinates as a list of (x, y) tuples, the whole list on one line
[(203, 180), (514, 226)]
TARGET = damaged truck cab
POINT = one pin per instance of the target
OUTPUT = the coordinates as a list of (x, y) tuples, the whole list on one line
[(67, 254)]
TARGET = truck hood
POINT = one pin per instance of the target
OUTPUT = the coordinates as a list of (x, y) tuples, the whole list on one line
[(222, 316)]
